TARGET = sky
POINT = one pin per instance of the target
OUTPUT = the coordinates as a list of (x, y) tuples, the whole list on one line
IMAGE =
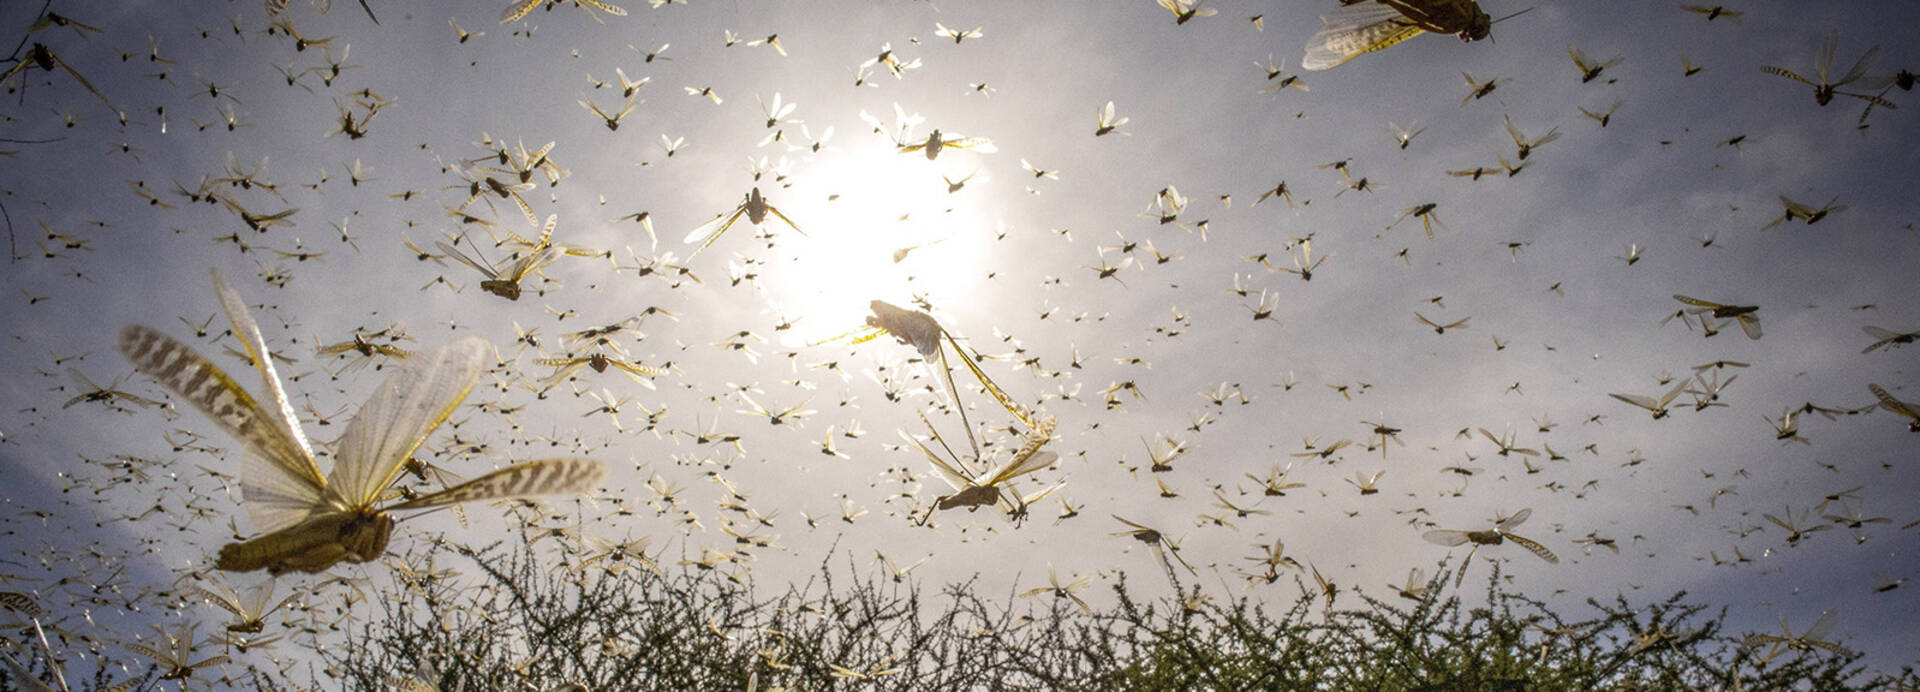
[(1564, 271)]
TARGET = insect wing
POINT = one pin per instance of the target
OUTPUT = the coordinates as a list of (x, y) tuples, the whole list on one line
[(518, 10), (1891, 404), (711, 230), (393, 423), (544, 477), (1819, 631), (1518, 518), (279, 482), (1645, 402), (1446, 537), (1749, 324), (1348, 32), (248, 332), (1537, 549)]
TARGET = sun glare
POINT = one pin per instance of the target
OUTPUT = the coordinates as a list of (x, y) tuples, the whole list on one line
[(876, 231)]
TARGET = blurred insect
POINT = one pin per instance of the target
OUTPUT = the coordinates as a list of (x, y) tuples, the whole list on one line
[(566, 367), (1161, 545), (926, 336), (1713, 12), (1526, 144), (1404, 135), (937, 142), (1304, 263), (43, 57), (1796, 210), (1363, 27), (1441, 328), (308, 522), (1424, 212), (1889, 403), (1807, 641), (1744, 314), (1887, 338), (109, 395), (251, 607), (1059, 591), (1589, 70), (979, 488), (1659, 406), (1184, 10), (942, 31), (363, 344), (1477, 89), (1367, 484), (755, 208), (1826, 88), (1105, 122), (175, 654), (503, 281), (1501, 532)]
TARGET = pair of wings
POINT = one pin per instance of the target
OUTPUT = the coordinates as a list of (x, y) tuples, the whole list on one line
[(281, 485)]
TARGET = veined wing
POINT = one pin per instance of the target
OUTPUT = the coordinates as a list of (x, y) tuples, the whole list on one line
[(1518, 518), (393, 423), (279, 482), (1697, 301), (1749, 324), (1446, 537), (711, 230), (518, 10), (1355, 29), (1021, 464), (543, 477), (1642, 401), (248, 332), (1888, 402), (1537, 549)]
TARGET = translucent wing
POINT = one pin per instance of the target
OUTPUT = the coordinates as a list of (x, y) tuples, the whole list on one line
[(248, 332), (1891, 404), (711, 230), (387, 429), (280, 483), (1696, 301), (1518, 518), (518, 10), (1749, 324), (1446, 537), (1537, 549), (1645, 402), (1355, 29), (544, 477), (1819, 631)]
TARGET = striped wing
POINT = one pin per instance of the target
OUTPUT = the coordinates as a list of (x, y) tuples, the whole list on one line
[(1539, 550), (1891, 404), (280, 483), (1355, 29), (399, 416), (544, 477), (248, 332)]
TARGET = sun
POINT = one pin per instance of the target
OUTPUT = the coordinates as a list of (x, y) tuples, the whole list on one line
[(877, 229)]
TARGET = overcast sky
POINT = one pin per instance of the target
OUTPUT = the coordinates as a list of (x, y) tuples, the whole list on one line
[(1687, 173)]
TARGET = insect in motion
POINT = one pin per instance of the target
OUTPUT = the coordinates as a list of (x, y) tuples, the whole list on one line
[(1360, 26), (1501, 532), (1889, 403), (754, 207), (1825, 89), (1744, 314), (310, 522)]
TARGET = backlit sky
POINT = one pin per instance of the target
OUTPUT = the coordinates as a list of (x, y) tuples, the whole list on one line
[(1010, 264)]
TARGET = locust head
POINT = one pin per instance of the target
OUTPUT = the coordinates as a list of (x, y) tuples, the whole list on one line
[(1478, 27)]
